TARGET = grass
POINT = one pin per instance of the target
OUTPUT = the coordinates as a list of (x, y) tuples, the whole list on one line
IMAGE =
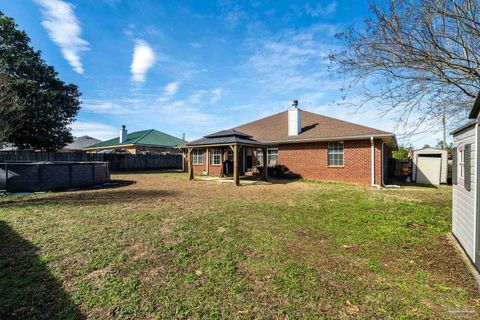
[(164, 247)]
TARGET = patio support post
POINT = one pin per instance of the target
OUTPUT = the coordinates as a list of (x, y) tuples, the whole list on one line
[(222, 160), (236, 177), (189, 162), (265, 164)]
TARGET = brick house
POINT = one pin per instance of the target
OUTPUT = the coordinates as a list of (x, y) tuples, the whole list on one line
[(313, 146), (140, 142)]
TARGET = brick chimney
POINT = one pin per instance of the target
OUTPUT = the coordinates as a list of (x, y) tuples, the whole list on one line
[(123, 135), (294, 119)]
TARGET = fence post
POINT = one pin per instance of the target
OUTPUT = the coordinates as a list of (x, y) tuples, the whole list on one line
[(6, 176), (70, 174)]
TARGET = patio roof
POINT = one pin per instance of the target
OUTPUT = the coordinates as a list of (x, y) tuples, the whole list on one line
[(225, 138)]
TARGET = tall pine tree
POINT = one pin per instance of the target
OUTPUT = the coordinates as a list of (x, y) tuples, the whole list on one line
[(44, 106)]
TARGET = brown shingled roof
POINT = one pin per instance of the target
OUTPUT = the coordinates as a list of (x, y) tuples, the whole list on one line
[(274, 128)]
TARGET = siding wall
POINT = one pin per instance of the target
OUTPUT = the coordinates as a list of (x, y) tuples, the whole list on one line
[(463, 209)]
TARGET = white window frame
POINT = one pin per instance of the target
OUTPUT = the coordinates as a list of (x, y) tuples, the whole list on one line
[(216, 157), (461, 163), (336, 152), (198, 156), (272, 154), (259, 156)]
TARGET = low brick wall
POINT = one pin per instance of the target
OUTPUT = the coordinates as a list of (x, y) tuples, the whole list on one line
[(52, 176)]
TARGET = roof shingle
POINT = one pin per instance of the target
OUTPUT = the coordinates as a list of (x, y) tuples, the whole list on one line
[(145, 137), (274, 128)]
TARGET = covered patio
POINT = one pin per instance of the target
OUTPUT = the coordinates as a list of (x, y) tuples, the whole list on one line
[(215, 150)]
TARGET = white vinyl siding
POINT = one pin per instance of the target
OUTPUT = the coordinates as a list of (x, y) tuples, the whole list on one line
[(463, 210)]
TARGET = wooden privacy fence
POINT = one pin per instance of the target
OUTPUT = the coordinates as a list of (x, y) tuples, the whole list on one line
[(400, 169), (118, 162)]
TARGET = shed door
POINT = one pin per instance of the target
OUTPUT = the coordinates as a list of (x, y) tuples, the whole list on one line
[(428, 170)]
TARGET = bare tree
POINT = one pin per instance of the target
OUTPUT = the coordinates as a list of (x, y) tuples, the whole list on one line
[(9, 111), (419, 59)]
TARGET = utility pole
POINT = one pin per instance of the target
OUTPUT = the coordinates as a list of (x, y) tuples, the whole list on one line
[(444, 123)]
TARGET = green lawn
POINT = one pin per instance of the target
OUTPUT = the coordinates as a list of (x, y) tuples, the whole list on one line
[(164, 247)]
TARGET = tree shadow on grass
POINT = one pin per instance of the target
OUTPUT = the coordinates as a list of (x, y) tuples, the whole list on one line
[(27, 288), (89, 197)]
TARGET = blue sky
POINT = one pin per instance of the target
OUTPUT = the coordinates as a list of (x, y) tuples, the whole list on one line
[(194, 67)]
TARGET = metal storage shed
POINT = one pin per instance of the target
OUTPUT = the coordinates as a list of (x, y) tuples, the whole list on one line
[(430, 166)]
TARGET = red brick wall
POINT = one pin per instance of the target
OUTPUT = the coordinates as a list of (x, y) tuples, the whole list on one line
[(310, 161), (213, 169)]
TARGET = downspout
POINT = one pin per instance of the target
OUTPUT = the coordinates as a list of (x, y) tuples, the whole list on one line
[(373, 163)]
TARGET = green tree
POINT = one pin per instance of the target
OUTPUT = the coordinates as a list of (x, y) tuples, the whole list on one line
[(45, 105), (445, 146), (10, 113), (401, 153)]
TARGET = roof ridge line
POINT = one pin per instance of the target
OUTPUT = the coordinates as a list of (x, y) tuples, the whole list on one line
[(345, 121), (143, 136)]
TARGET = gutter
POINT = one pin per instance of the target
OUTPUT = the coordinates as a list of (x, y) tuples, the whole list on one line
[(463, 127), (128, 145), (373, 162), (330, 138)]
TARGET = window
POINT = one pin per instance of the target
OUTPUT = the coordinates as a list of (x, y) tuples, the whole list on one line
[(272, 156), (216, 156), (461, 162), (335, 153), (197, 155), (260, 157)]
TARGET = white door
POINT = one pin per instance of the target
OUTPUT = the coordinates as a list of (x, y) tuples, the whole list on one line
[(428, 170)]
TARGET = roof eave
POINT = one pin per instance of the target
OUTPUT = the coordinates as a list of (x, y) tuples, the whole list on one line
[(476, 108), (129, 145), (463, 127), (339, 138)]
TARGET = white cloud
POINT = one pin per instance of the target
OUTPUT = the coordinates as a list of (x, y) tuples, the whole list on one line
[(292, 61), (104, 107), (113, 3), (143, 59), (321, 10), (171, 89), (64, 29), (216, 95), (94, 129), (196, 44)]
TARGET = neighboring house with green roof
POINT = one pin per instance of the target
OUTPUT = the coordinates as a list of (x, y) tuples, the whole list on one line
[(147, 141)]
